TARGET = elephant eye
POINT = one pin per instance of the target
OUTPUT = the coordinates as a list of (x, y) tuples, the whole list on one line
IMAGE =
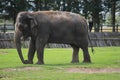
[(21, 27)]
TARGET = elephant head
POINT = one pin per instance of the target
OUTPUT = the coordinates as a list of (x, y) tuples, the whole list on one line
[(24, 23)]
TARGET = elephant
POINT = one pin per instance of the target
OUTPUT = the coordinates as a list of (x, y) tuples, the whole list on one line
[(51, 27)]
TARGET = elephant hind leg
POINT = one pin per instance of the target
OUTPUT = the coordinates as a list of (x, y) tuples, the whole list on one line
[(86, 55), (75, 55)]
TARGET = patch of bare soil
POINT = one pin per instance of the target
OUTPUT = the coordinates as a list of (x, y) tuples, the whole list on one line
[(22, 69), (71, 70), (93, 70), (3, 52)]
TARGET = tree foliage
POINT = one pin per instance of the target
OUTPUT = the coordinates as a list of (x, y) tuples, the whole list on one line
[(87, 8), (12, 7)]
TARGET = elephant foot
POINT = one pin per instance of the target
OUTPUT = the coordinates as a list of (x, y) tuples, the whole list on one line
[(75, 61), (87, 61), (40, 63), (28, 62)]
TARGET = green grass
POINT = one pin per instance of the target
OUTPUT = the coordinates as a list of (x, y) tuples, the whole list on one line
[(57, 61)]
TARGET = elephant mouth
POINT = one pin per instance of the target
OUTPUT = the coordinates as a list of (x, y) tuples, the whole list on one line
[(25, 37)]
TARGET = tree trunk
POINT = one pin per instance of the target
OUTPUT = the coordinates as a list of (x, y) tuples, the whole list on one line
[(113, 15), (95, 15), (36, 5), (96, 21), (46, 3)]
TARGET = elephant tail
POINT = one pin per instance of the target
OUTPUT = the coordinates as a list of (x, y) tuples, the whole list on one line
[(92, 49)]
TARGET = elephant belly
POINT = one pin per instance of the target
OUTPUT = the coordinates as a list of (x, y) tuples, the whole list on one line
[(64, 38)]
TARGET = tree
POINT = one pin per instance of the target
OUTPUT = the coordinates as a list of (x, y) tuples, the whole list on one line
[(45, 4), (12, 7), (111, 4), (84, 7), (97, 8), (38, 5), (2, 9), (93, 8), (76, 6)]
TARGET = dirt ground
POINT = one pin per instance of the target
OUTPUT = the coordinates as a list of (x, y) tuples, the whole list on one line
[(93, 70), (72, 70)]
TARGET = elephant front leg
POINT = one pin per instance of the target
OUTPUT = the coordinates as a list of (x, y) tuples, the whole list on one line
[(40, 55), (40, 44), (31, 52)]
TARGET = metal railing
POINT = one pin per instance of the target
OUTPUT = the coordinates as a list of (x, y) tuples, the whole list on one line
[(6, 27), (103, 28), (108, 28)]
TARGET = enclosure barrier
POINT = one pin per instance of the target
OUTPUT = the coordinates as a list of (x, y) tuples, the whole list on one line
[(98, 39), (103, 28)]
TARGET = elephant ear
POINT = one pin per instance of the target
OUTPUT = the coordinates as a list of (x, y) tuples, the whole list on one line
[(32, 20)]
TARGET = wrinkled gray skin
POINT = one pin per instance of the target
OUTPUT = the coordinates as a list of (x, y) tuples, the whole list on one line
[(51, 27)]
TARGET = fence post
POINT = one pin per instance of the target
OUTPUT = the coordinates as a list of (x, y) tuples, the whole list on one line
[(101, 27), (117, 28), (4, 29)]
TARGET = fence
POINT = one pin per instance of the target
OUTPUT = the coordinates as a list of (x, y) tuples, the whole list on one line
[(6, 27), (108, 28), (103, 28), (97, 38)]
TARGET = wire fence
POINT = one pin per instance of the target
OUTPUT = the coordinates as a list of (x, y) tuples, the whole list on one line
[(103, 28)]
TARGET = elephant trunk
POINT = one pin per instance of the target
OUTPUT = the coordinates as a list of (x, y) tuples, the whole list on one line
[(17, 39)]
